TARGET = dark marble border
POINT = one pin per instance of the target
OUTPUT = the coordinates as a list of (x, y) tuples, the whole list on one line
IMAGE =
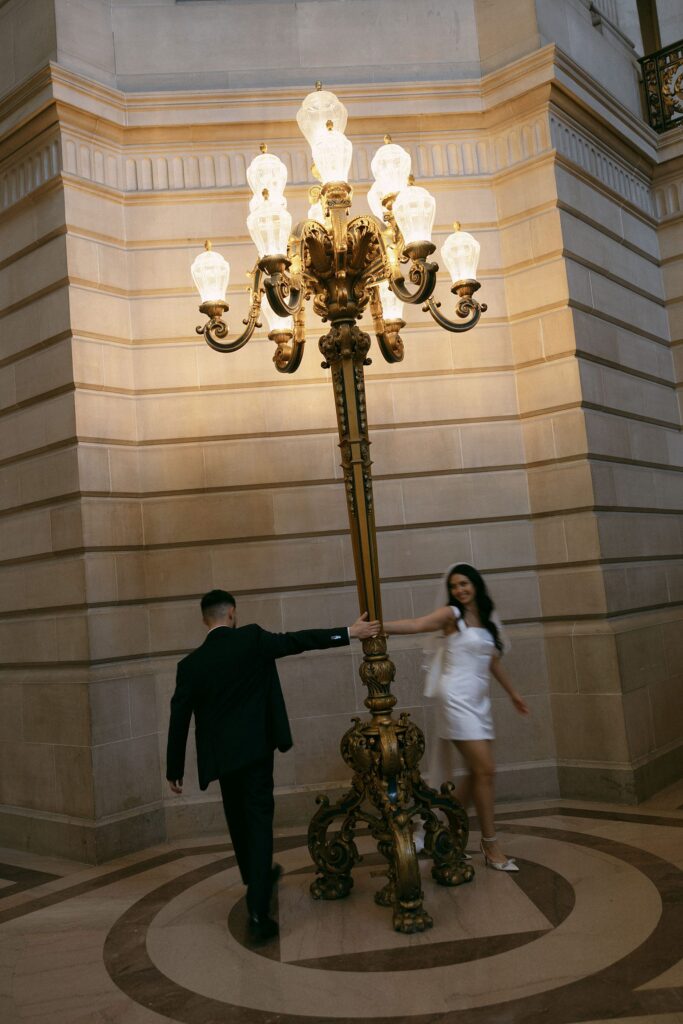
[(22, 879), (49, 899), (607, 994), (103, 880), (585, 812)]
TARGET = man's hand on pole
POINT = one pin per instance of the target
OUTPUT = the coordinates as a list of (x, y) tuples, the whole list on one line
[(362, 629)]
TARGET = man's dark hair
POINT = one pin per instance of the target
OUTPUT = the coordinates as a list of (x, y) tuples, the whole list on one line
[(214, 600)]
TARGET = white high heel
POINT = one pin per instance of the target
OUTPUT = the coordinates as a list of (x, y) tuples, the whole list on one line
[(506, 865)]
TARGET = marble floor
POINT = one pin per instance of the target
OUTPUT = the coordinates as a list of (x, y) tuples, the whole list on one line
[(590, 929)]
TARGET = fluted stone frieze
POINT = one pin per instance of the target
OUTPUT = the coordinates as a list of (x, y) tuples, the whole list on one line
[(600, 164), (30, 171), (226, 168)]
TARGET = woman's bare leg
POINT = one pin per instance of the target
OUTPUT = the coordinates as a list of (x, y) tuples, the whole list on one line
[(478, 756), (463, 791)]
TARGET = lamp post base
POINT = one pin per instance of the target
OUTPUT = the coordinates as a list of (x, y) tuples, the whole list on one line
[(384, 754)]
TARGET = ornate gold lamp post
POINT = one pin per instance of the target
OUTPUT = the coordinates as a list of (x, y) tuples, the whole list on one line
[(342, 266)]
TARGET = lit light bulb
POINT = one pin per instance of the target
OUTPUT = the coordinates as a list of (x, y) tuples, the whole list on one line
[(460, 253), (316, 212), (257, 201), (375, 201), (317, 109), (391, 167), (414, 210), (275, 322), (270, 225), (392, 307), (211, 273), (332, 154), (267, 171)]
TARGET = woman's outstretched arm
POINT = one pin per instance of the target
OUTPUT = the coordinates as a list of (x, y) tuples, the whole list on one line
[(501, 676), (438, 619)]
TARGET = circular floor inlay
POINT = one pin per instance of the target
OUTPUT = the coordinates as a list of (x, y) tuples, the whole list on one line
[(192, 962), (550, 894)]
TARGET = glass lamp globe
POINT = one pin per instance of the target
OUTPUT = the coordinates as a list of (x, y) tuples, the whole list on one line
[(267, 171), (392, 307), (391, 167), (315, 212), (275, 322), (270, 225), (211, 273), (414, 210), (332, 154), (317, 109), (375, 201), (460, 253), (257, 200)]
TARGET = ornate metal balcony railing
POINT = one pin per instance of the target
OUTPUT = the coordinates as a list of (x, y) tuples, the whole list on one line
[(663, 79)]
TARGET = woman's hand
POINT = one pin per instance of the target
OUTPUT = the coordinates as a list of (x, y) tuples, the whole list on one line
[(362, 629), (519, 703)]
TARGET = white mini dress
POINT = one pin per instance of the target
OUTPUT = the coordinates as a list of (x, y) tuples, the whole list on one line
[(463, 695)]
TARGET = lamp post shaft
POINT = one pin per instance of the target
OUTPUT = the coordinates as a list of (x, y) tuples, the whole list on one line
[(384, 752), (349, 389), (345, 349), (342, 265)]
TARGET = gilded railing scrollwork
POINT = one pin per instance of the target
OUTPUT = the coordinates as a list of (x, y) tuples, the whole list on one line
[(663, 82)]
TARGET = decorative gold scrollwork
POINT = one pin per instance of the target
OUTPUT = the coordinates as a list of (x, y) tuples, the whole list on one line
[(466, 308), (215, 329), (339, 266), (384, 755)]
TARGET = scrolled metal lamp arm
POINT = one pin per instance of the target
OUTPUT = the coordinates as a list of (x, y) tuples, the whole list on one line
[(467, 308), (216, 328), (423, 275), (290, 346), (285, 296)]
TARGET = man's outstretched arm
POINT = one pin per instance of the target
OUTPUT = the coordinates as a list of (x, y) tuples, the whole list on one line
[(280, 645)]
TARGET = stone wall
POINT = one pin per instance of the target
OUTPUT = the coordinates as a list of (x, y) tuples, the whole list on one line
[(140, 469)]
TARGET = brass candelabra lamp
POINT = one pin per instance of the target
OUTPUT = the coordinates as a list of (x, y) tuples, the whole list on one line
[(342, 266)]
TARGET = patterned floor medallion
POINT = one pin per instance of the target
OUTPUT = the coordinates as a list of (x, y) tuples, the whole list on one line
[(588, 930)]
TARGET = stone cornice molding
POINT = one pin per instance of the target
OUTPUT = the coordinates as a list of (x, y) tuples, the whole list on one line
[(39, 164), (590, 101), (235, 110), (584, 149), (160, 142)]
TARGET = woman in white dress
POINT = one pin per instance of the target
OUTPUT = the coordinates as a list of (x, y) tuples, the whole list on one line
[(472, 653)]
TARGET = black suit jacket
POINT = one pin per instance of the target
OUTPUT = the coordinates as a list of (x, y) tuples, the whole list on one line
[(231, 686)]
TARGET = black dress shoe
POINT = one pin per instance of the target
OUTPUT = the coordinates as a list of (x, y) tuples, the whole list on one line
[(275, 873), (262, 928)]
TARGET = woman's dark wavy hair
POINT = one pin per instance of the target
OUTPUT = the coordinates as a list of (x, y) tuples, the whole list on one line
[(485, 604)]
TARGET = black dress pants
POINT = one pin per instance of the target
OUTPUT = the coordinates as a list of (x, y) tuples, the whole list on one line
[(248, 804)]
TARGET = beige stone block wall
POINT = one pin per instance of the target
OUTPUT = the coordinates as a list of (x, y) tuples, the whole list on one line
[(45, 741), (601, 430), (138, 468)]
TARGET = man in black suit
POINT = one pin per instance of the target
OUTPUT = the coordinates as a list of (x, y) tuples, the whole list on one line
[(231, 686)]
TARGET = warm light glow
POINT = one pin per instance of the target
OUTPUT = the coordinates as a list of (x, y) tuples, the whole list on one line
[(270, 225), (414, 210), (392, 307), (375, 201), (391, 167), (211, 273), (267, 171), (460, 253), (316, 110), (332, 155), (315, 212), (275, 322)]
